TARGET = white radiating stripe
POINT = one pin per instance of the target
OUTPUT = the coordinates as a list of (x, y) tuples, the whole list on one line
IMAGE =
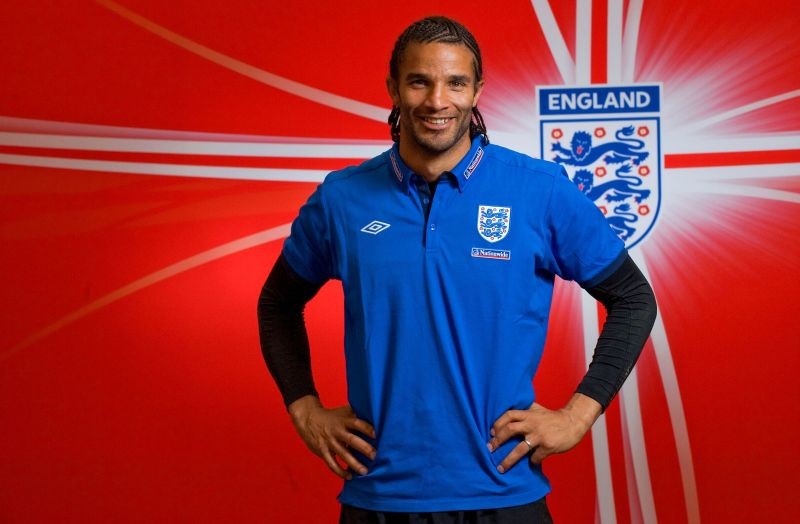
[(606, 508), (191, 147), (630, 40), (555, 40), (718, 188), (210, 255), (284, 84), (583, 42), (58, 127), (701, 124), (686, 175), (146, 168), (630, 473), (522, 142), (602, 462), (669, 378), (614, 42), (632, 411), (679, 143)]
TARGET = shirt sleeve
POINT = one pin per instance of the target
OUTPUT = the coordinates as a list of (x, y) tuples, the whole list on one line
[(307, 250), (584, 248)]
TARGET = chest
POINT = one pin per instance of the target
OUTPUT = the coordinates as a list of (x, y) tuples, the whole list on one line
[(487, 232)]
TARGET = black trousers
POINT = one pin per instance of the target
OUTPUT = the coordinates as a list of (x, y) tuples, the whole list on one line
[(533, 513)]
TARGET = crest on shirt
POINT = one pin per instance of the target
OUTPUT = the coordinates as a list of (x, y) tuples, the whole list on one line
[(493, 222), (608, 141)]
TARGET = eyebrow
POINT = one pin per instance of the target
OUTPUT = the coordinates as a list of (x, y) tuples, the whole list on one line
[(461, 78), (452, 78)]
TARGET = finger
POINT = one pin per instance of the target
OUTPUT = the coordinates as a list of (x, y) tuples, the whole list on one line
[(539, 454), (519, 451), (361, 426), (348, 458), (334, 466), (509, 416), (362, 446), (506, 432)]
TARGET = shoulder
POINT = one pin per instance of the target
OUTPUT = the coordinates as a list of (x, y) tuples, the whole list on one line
[(358, 173), (507, 167), (531, 178), (509, 160), (368, 178)]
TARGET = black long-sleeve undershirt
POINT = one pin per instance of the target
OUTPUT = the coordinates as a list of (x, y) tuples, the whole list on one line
[(282, 330), (630, 313), (626, 295)]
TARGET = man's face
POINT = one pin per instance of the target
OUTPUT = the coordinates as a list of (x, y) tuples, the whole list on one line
[(435, 91)]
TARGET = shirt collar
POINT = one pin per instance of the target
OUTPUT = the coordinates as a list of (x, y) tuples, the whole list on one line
[(462, 172)]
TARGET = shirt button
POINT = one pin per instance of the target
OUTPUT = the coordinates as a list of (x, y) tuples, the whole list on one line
[(433, 227), (425, 200)]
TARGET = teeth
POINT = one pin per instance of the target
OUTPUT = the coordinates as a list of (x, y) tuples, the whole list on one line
[(436, 121)]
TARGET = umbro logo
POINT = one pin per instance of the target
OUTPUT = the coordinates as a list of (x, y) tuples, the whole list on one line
[(375, 227)]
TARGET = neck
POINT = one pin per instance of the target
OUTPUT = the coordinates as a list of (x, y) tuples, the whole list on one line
[(428, 165)]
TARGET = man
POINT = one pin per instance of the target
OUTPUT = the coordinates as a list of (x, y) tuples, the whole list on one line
[(447, 248)]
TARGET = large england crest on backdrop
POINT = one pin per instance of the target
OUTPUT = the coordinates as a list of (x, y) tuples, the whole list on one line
[(608, 140)]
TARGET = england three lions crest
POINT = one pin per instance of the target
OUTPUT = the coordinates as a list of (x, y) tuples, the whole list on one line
[(608, 140), (494, 222)]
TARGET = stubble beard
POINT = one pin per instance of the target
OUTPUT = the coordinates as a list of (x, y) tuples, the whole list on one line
[(437, 144)]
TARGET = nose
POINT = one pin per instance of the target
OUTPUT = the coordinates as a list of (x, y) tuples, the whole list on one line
[(437, 97)]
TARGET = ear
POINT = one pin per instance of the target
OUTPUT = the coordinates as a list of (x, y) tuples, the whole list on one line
[(478, 91), (394, 93)]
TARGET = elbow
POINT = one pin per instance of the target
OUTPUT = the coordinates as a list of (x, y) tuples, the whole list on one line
[(268, 304), (651, 307), (263, 303)]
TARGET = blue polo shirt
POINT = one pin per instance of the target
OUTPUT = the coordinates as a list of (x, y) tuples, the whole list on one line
[(446, 309)]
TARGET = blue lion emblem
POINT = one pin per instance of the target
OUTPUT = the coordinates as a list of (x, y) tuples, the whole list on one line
[(621, 219), (623, 187), (583, 153), (493, 222)]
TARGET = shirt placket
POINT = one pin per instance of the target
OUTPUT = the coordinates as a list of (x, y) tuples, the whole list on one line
[(434, 206)]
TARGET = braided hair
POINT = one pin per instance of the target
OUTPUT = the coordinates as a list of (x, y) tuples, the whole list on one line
[(430, 30)]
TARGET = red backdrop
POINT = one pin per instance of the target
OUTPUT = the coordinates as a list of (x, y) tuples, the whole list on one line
[(152, 154)]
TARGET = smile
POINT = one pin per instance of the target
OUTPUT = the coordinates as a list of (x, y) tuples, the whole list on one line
[(436, 121)]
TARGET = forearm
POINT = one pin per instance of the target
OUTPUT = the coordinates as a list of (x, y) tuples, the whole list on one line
[(282, 331), (631, 311), (301, 408), (583, 411)]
